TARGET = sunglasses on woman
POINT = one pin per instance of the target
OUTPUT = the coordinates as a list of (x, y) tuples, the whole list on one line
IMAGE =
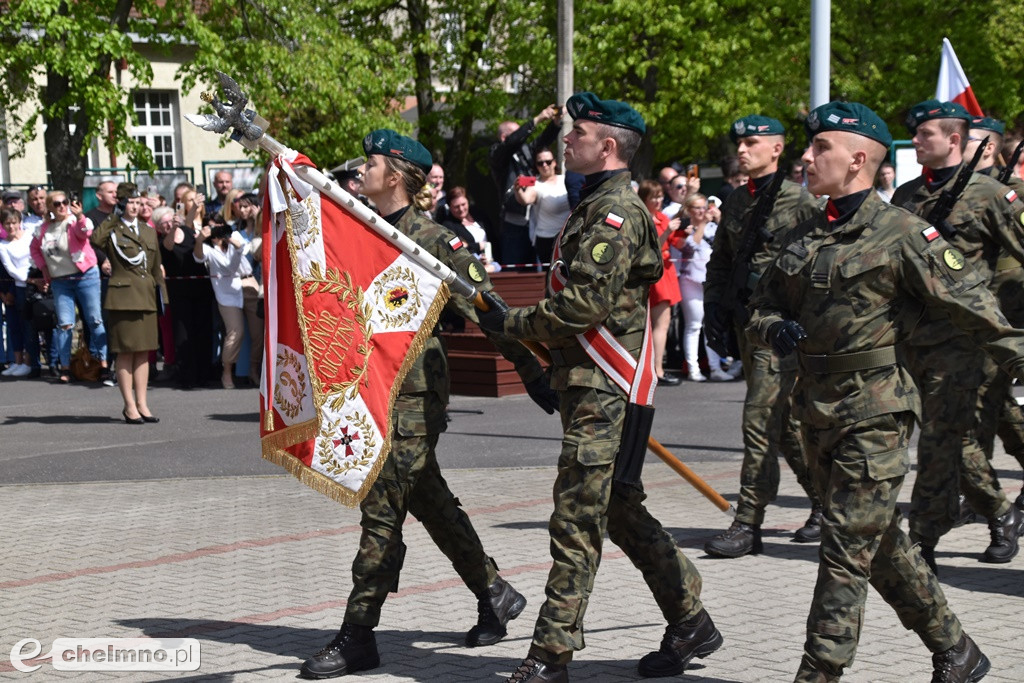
[(545, 162), (61, 202)]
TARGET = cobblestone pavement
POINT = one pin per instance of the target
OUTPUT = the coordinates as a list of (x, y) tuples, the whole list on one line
[(257, 569)]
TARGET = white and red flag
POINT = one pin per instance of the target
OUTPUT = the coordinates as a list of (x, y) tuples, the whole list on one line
[(953, 85), (347, 313)]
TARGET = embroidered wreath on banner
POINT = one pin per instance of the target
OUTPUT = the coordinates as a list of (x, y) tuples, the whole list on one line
[(329, 334), (305, 219), (357, 441), (293, 384), (400, 294)]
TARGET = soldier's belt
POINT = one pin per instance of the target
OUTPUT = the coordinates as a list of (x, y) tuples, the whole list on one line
[(575, 355), (848, 362), (1007, 263)]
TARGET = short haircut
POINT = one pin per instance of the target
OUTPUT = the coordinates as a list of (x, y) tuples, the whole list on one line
[(627, 140), (950, 126)]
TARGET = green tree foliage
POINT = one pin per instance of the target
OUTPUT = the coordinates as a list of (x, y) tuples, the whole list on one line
[(75, 45), (692, 68), (322, 73)]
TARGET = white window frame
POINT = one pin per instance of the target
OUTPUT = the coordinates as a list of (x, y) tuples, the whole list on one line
[(163, 103)]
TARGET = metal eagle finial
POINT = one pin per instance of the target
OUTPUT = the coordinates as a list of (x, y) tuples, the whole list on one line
[(230, 112)]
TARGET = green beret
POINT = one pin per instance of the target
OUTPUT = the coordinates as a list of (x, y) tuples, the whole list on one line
[(933, 109), (988, 123), (391, 144), (586, 106), (752, 125), (127, 191), (852, 117)]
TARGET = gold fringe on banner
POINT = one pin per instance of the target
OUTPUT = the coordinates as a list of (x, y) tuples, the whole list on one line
[(273, 445)]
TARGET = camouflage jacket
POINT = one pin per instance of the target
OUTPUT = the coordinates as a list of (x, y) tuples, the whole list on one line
[(793, 205), (423, 398), (987, 219), (610, 257), (1008, 281), (860, 287)]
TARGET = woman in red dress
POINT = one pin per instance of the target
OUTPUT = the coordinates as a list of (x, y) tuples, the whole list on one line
[(665, 292)]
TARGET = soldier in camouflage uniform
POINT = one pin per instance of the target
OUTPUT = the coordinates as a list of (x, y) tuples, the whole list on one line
[(608, 258), (768, 427), (946, 363), (998, 411), (847, 289), (410, 480)]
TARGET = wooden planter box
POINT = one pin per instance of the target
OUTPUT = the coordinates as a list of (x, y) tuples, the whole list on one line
[(476, 367)]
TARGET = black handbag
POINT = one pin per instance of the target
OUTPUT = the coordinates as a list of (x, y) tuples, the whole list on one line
[(41, 311)]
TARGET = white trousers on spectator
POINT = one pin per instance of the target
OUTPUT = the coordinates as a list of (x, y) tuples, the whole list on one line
[(693, 315)]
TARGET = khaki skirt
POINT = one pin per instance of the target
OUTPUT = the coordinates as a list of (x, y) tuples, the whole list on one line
[(132, 331)]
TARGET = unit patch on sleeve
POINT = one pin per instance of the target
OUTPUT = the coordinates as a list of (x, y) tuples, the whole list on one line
[(954, 259), (602, 253)]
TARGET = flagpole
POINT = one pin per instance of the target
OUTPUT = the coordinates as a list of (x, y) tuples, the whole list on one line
[(250, 131)]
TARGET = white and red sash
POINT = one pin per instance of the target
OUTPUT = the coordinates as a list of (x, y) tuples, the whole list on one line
[(635, 376)]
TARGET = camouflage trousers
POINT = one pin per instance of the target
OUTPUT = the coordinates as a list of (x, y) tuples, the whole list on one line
[(768, 429), (950, 458), (999, 414), (585, 506), (1008, 286), (858, 470), (411, 481)]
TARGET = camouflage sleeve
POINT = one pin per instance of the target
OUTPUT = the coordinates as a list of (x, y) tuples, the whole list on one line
[(719, 268), (938, 274), (766, 306), (596, 276), (450, 251), (1004, 216)]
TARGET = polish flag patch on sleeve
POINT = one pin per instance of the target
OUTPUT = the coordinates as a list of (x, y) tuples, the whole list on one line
[(614, 220), (930, 233), (1011, 196), (455, 243)]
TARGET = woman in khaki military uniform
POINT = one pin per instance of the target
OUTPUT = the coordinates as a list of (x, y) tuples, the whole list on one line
[(136, 282)]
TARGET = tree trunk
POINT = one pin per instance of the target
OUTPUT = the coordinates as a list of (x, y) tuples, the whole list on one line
[(419, 20), (477, 23), (67, 151)]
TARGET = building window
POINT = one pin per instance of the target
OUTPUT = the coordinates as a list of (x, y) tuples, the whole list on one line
[(155, 119)]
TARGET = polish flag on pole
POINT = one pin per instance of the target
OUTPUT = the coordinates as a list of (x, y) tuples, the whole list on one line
[(953, 85)]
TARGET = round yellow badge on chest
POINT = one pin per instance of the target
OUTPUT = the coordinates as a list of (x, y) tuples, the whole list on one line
[(476, 272), (602, 253), (954, 259)]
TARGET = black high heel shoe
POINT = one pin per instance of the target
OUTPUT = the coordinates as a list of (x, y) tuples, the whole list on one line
[(132, 420), (151, 419)]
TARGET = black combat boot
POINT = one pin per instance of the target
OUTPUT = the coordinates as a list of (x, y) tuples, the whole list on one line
[(962, 663), (695, 637), (738, 540), (810, 532), (928, 555), (353, 649), (1006, 531), (536, 671), (498, 605)]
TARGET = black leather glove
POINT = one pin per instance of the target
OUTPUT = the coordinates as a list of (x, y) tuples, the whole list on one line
[(542, 394), (493, 319), (716, 325), (785, 335)]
